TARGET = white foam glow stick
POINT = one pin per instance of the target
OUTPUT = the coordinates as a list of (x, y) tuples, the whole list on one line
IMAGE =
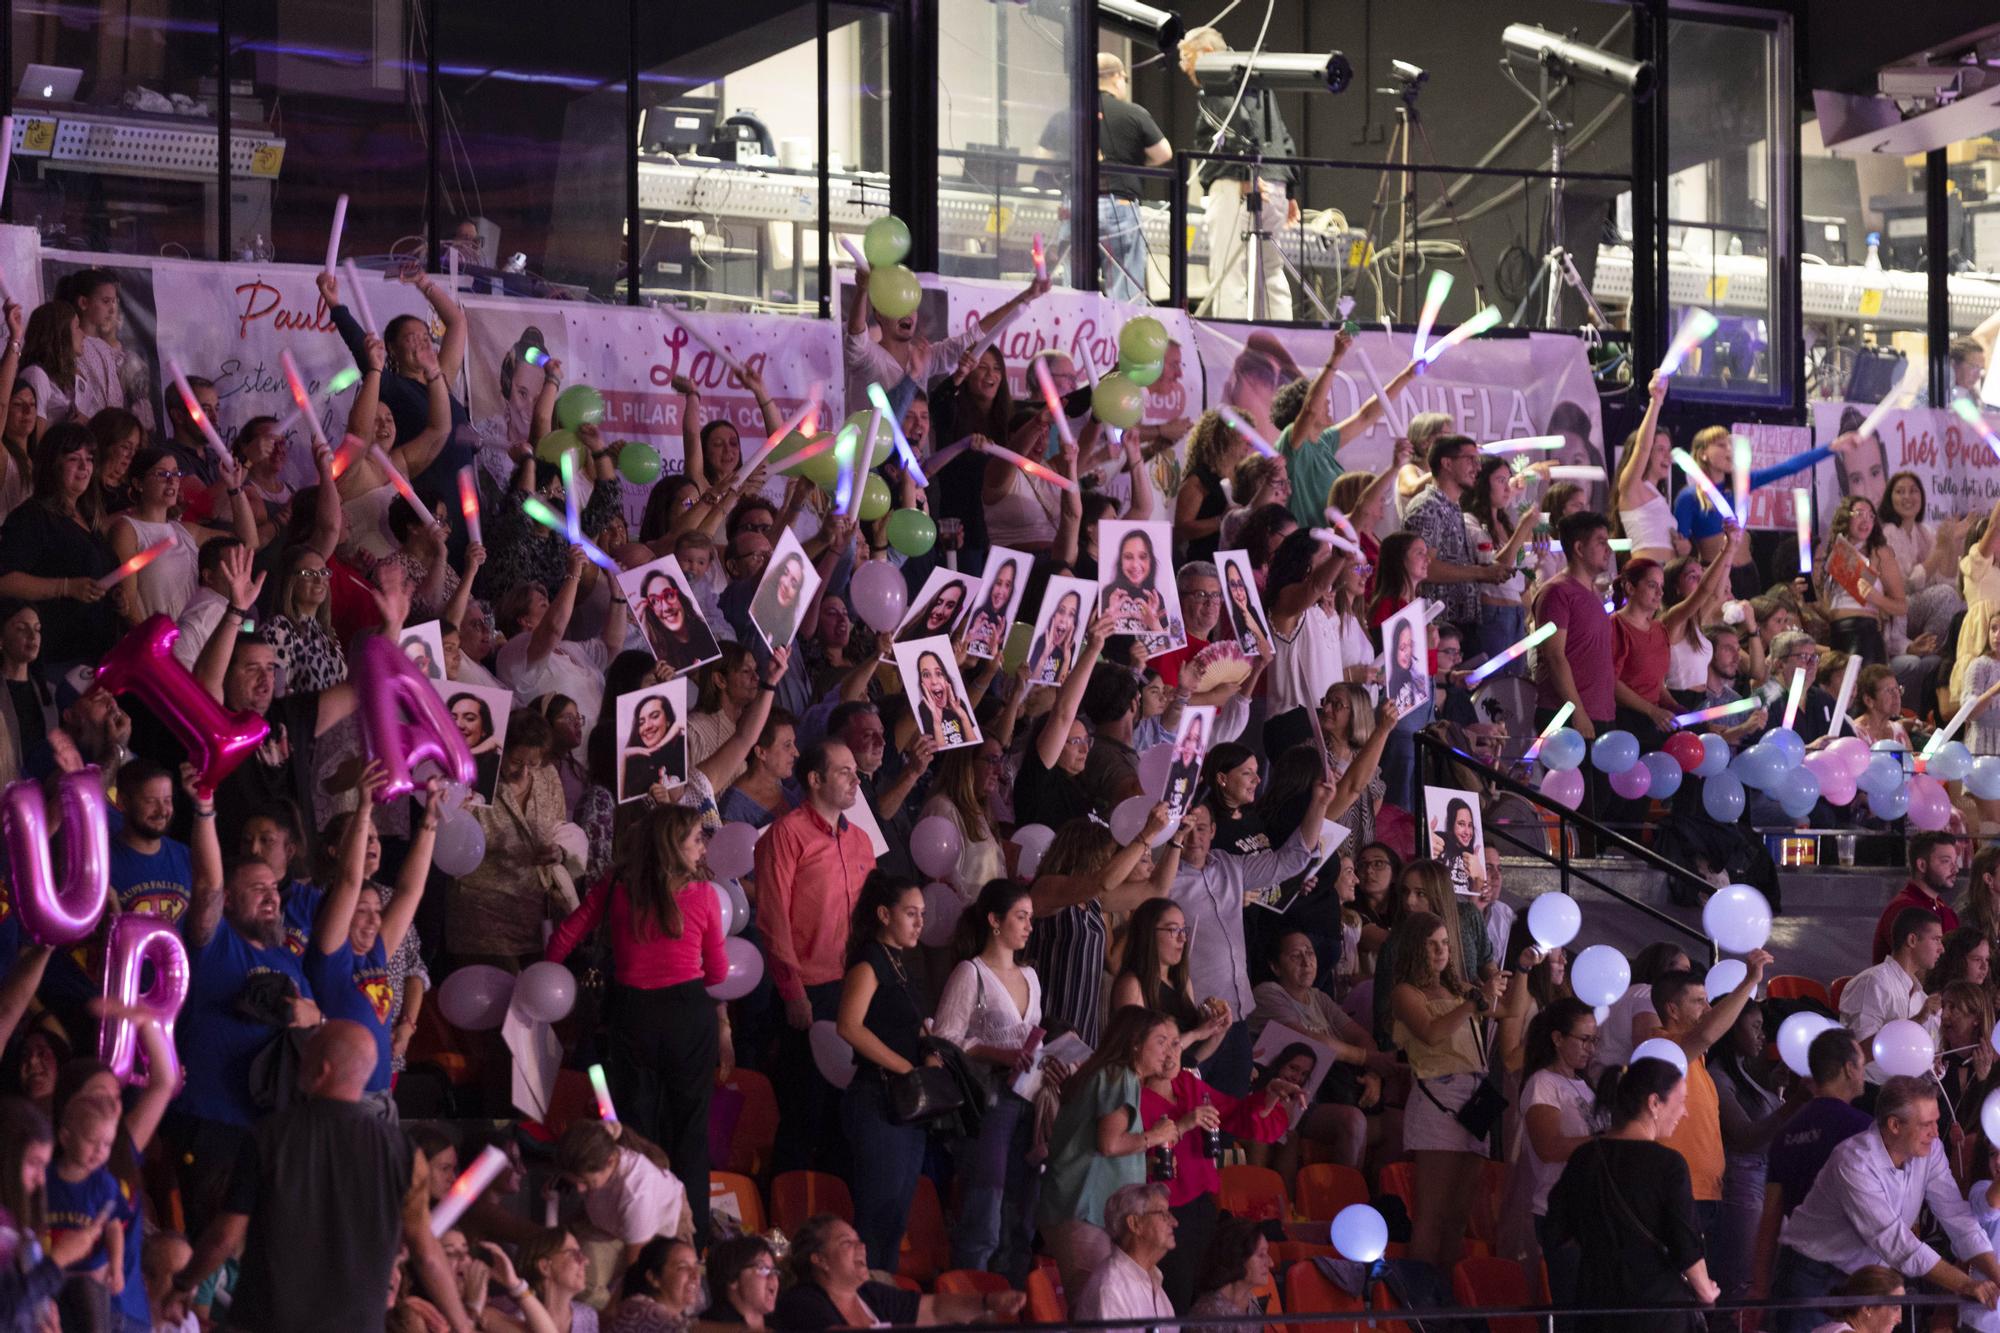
[(451, 265), (1540, 634), (1715, 714), (1528, 444), (1704, 485), (903, 449), (471, 1183), (1576, 472), (468, 502), (1697, 327), (602, 1087), (1434, 299), (987, 339), (1555, 725), (1792, 700), (1739, 459), (360, 295), (1914, 370), (1840, 701), (1472, 328), (1027, 465), (1802, 514), (6, 151), (136, 563), (1246, 430), (1374, 383), (1335, 540), (1041, 260), (844, 446), (783, 433), (854, 251), (1969, 411), (402, 485), (705, 341), (1341, 524), (299, 395), (1940, 739), (857, 476), (572, 518), (193, 406), (807, 454), (333, 233), (1053, 400)]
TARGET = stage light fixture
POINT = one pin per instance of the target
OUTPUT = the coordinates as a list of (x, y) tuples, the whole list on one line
[(1220, 72), (1568, 58), (1161, 28)]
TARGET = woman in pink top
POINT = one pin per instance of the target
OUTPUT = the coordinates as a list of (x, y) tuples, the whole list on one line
[(667, 1036)]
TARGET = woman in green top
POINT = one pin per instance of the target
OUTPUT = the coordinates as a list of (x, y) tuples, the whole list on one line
[(1098, 1145)]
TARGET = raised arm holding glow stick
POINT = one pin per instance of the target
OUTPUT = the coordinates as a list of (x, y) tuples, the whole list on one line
[(854, 478), (1027, 465), (471, 1183), (1054, 401), (360, 295), (1555, 724), (1802, 514), (195, 414), (987, 339), (1798, 692), (783, 433), (1697, 327), (468, 502), (1942, 737), (903, 449), (1701, 482), (1434, 299), (536, 509), (572, 521), (1246, 430), (299, 394), (1472, 328), (1715, 714), (136, 563), (1541, 634), (1840, 701), (333, 234)]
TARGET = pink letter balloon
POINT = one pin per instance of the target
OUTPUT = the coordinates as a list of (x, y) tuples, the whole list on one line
[(136, 941), (403, 720), (58, 912), (143, 663)]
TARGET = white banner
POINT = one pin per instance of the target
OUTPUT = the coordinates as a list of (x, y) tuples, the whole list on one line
[(1958, 470)]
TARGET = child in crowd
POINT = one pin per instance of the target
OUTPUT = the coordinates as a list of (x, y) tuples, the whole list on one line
[(165, 1254), (81, 1187)]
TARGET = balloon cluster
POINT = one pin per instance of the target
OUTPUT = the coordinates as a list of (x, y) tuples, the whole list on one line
[(892, 288), (1120, 397)]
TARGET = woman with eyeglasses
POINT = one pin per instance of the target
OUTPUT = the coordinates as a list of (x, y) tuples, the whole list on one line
[(1154, 973), (1377, 867), (1558, 1115), (963, 789), (310, 657), (742, 1284), (164, 586)]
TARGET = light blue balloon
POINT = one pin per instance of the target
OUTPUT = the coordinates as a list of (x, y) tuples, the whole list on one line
[(1891, 804), (1666, 771), (1615, 752), (1797, 792), (1787, 743), (1714, 755), (1564, 750), (1722, 798), (1884, 774), (1759, 766), (1951, 763), (1360, 1233), (1983, 780)]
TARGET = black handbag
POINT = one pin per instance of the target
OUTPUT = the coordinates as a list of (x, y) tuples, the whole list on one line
[(922, 1095)]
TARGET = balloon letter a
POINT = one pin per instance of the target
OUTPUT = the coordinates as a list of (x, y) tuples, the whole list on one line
[(404, 720)]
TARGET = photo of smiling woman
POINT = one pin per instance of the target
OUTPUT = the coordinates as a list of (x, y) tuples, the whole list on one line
[(1239, 602), (674, 630), (1184, 774), (986, 631), (1453, 817), (936, 693), (937, 607), (481, 716), (1058, 631), (653, 746), (1407, 668), (1141, 598), (788, 587)]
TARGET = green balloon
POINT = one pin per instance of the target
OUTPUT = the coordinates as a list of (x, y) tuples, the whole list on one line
[(1142, 340), (1142, 373), (874, 498), (1118, 401), (551, 447), (578, 405), (639, 463), (788, 446), (894, 291), (823, 470), (911, 531), (886, 242)]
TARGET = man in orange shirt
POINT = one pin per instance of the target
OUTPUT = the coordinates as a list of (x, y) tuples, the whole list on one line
[(1691, 1022), (810, 866)]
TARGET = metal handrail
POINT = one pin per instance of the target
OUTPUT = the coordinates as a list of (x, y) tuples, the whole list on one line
[(1442, 752)]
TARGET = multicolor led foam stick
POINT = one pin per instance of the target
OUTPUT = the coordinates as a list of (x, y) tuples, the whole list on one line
[(471, 1183), (1041, 260), (605, 1110), (1802, 514), (1969, 411), (1697, 327), (136, 563), (1054, 401), (1555, 725), (763, 451), (468, 501), (1434, 299), (195, 414), (299, 395), (1715, 714), (1539, 635), (903, 449), (1486, 319)]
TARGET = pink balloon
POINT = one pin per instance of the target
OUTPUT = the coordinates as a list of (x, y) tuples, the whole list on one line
[(403, 719), (1563, 786), (136, 941), (732, 851), (475, 997), (1853, 753), (1633, 782), (142, 663), (879, 594), (58, 912), (1836, 782), (934, 845), (1930, 807), (746, 969)]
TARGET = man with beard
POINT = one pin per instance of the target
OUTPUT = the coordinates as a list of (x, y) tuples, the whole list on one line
[(94, 730), (234, 930), (151, 874)]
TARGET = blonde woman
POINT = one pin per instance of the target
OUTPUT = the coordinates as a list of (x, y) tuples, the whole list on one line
[(1214, 450)]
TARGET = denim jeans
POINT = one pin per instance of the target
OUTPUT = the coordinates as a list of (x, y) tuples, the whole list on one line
[(1500, 628), (1797, 1278), (995, 1219), (1121, 269), (887, 1158)]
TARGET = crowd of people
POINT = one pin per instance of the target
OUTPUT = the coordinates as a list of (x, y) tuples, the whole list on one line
[(1163, 902)]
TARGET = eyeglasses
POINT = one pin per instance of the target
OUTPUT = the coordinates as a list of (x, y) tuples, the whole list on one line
[(314, 574), (1178, 932), (1373, 863), (761, 1270), (1078, 742), (1581, 1039), (1201, 597), (166, 476)]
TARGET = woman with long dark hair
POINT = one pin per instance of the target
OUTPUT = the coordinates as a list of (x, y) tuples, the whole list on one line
[(666, 949), (937, 615), (1457, 845), (51, 364), (986, 631), (475, 724), (1154, 974), (650, 755), (1855, 625), (942, 712), (52, 554), (1558, 1116), (1054, 651), (30, 1276), (673, 630), (1133, 596)]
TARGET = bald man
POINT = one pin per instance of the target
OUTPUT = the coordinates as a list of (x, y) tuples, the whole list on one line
[(322, 1196)]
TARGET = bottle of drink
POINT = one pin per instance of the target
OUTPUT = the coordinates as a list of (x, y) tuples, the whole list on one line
[(1160, 1163), (1874, 261), (1211, 1139)]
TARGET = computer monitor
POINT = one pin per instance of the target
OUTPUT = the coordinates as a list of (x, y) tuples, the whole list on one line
[(48, 83), (1874, 377), (684, 125)]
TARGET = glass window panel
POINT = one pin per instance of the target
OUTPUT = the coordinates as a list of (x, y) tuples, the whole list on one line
[(115, 127), (1973, 166)]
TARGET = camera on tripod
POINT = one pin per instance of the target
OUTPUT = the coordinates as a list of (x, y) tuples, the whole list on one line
[(1409, 79)]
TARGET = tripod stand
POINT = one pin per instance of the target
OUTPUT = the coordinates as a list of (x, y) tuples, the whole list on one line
[(1254, 237), (1557, 268), (1397, 159)]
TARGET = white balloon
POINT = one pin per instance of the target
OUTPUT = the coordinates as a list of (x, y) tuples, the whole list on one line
[(1724, 977), (1553, 920), (1033, 841), (1989, 1116), (1737, 918), (1903, 1047), (1796, 1036), (1128, 820), (1154, 766), (832, 1056), (934, 845), (1602, 1013), (1659, 1048), (1360, 1233), (1599, 975)]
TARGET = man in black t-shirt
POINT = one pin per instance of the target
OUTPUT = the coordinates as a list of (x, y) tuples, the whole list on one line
[(1126, 135)]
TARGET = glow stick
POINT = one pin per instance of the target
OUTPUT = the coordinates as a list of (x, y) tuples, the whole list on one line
[(299, 395), (468, 502), (1939, 739), (536, 509), (1335, 540), (903, 449), (986, 339), (195, 414), (471, 1183), (402, 485), (360, 294), (598, 1084), (1374, 383), (854, 251), (1041, 260), (1555, 725), (1802, 512), (1798, 693), (132, 566), (1522, 446), (942, 458), (1969, 410), (843, 452), (1341, 524), (451, 265), (350, 448), (1440, 288), (810, 452), (1472, 328), (1513, 654), (1027, 465), (1697, 327), (571, 523), (1704, 485), (1907, 388), (1246, 430), (1576, 472), (703, 339), (856, 476), (333, 235), (340, 383), (1054, 401), (1715, 714), (1840, 701), (782, 434), (1739, 457)]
